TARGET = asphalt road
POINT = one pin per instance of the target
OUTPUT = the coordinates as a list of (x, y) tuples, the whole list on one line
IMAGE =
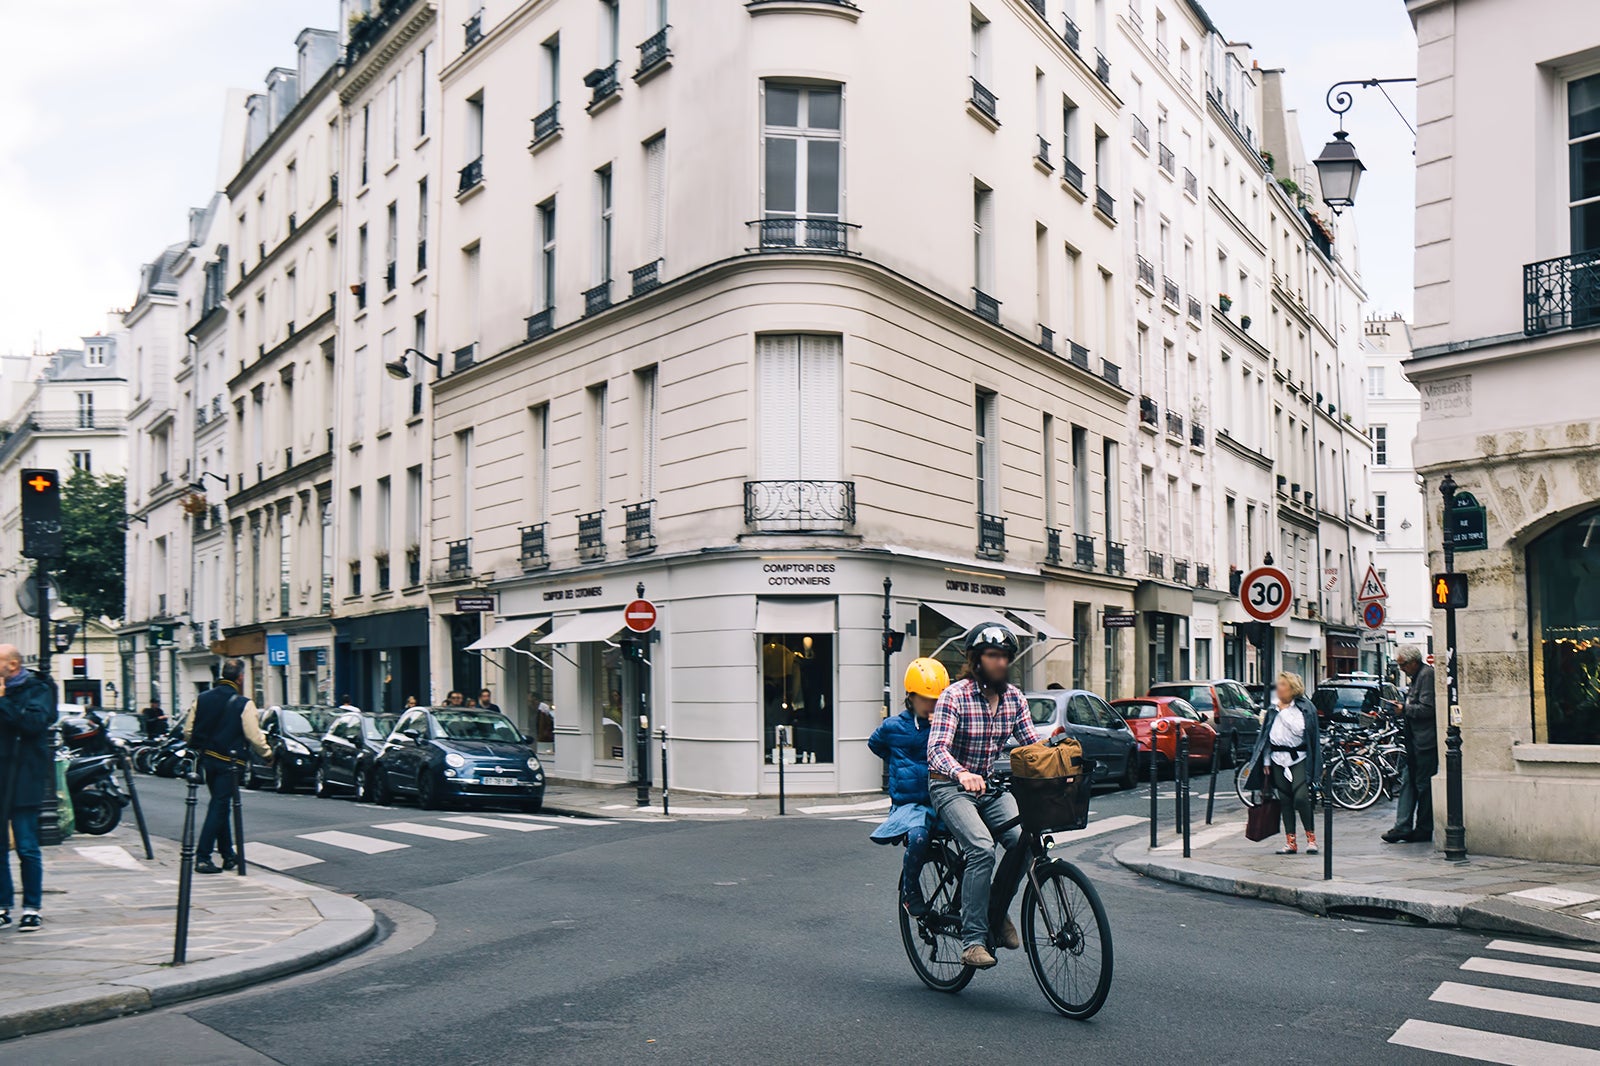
[(776, 941)]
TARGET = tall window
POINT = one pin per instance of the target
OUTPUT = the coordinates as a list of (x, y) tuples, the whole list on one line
[(539, 455), (353, 541), (1375, 382), (1069, 128), (1583, 153), (383, 530), (547, 255), (655, 198), (325, 521), (600, 437), (422, 224), (1380, 445), (392, 97), (366, 138), (647, 391), (798, 436), (464, 481), (361, 263), (980, 49), (82, 460), (474, 130), (550, 71), (422, 93), (413, 516), (983, 238), (1048, 445), (603, 223), (801, 135), (1380, 512), (612, 40), (1080, 479), (986, 451), (1111, 474), (473, 295), (285, 560), (85, 401), (391, 248)]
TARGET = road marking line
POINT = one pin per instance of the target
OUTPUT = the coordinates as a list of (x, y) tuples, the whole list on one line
[(1202, 838), (841, 808), (110, 855), (352, 842), (276, 858), (1557, 975), (1110, 825), (1560, 897), (1570, 954), (1551, 1008), (436, 832), (1488, 1047), (676, 810), (496, 823), (561, 819)]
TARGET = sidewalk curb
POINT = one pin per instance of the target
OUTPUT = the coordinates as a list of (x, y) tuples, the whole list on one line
[(1449, 909), (347, 924)]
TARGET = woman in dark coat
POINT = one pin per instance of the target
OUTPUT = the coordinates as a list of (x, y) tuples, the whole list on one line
[(1288, 759)]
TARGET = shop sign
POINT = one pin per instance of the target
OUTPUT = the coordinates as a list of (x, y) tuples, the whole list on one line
[(975, 588), (586, 592), (1469, 524), (799, 574), (277, 649), (1123, 620), (474, 604), (1447, 397)]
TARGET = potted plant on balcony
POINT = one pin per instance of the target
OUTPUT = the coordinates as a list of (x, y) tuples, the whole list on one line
[(194, 504), (1225, 302), (1244, 321)]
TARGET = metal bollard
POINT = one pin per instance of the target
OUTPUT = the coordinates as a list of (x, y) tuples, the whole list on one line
[(1180, 760), (664, 800), (1155, 775), (1327, 825), (180, 943), (779, 735), (1211, 800), (238, 814), (133, 795), (1180, 784)]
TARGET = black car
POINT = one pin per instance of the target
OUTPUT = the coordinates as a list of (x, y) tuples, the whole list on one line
[(1098, 729), (1346, 699), (1227, 705), (350, 750), (294, 733), (458, 753)]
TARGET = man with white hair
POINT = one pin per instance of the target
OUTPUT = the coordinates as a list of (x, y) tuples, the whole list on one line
[(27, 710), (1413, 815)]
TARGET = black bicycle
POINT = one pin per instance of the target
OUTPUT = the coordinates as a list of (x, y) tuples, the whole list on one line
[(1064, 928)]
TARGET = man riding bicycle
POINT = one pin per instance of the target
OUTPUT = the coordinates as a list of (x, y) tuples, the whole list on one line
[(971, 723)]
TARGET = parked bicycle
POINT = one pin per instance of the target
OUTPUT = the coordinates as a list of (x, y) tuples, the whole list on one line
[(1064, 929), (1363, 763)]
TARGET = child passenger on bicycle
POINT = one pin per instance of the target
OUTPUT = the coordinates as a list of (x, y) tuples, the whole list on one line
[(902, 741)]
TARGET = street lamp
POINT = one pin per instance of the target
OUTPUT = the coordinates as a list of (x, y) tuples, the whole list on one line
[(200, 485), (399, 369), (1339, 168)]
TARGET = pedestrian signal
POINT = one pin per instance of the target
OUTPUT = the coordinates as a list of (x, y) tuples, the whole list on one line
[(1449, 591)]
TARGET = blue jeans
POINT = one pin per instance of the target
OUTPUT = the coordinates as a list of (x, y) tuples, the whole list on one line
[(916, 854), (25, 824), (970, 820), (222, 781)]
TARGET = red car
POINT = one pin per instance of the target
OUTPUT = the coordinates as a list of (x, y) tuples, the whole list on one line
[(1165, 716)]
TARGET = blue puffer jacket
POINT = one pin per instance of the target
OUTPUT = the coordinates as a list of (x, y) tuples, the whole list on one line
[(902, 741)]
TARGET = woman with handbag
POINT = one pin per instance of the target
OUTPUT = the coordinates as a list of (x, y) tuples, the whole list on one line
[(1287, 760)]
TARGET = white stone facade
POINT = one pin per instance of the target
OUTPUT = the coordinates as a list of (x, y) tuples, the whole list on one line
[(1395, 408)]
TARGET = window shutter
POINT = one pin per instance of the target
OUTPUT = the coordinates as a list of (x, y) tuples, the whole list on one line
[(820, 409), (655, 165), (778, 416)]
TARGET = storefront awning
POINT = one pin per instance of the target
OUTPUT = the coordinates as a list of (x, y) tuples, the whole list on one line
[(507, 633), (587, 628), (971, 617), (1039, 625), (799, 614)]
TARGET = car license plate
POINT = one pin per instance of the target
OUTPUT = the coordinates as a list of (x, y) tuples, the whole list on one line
[(505, 782)]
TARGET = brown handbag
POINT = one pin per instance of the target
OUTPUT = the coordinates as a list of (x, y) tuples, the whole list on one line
[(1264, 820)]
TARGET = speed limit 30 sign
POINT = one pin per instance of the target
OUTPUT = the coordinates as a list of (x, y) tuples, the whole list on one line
[(1266, 594)]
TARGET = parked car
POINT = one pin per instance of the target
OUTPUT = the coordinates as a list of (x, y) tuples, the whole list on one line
[(1090, 721), (1164, 717), (458, 753), (1227, 705), (349, 750), (1345, 699), (294, 733)]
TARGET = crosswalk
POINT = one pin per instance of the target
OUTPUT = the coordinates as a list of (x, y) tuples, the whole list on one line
[(1523, 989), (385, 837)]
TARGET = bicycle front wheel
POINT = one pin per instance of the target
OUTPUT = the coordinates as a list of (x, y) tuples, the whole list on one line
[(1068, 939), (933, 941), (1355, 782)]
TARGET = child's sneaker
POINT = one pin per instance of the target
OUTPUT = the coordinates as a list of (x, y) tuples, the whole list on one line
[(30, 921), (5, 918)]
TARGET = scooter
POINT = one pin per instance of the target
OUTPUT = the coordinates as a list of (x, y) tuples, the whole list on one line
[(97, 798)]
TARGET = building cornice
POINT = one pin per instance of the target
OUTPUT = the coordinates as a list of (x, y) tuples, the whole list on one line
[(292, 240), (1243, 451), (284, 479), (249, 369), (372, 63), (1238, 223), (1481, 351)]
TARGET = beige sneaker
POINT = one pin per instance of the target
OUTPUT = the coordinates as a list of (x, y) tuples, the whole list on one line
[(977, 956), (1005, 935)]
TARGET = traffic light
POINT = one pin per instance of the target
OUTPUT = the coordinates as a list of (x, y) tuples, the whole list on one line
[(41, 514), (1449, 591), (893, 641)]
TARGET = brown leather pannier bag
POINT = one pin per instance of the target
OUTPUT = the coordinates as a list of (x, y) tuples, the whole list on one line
[(1050, 786)]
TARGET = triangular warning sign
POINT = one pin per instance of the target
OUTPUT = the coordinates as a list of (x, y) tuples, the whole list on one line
[(1371, 587)]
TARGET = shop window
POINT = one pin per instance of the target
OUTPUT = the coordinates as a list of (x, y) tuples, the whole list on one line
[(1564, 602), (939, 638), (539, 712), (797, 690), (606, 681)]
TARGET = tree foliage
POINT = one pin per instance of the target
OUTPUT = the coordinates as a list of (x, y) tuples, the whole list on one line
[(91, 577)]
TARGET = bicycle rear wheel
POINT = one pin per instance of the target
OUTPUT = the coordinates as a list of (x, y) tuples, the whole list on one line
[(1068, 939), (1354, 782), (933, 941)]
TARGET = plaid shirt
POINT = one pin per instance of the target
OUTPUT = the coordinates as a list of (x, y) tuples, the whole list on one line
[(966, 736)]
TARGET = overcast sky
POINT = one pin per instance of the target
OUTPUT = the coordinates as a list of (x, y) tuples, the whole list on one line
[(112, 121)]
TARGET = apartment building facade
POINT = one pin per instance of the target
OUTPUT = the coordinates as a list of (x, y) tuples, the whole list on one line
[(1505, 339)]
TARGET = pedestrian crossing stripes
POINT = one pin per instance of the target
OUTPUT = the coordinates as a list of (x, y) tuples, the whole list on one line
[(1492, 1043), (377, 839), (276, 858), (497, 823), (354, 841), (434, 832)]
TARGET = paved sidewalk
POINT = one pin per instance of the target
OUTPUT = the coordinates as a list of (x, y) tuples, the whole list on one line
[(622, 802), (106, 945), (1372, 878)]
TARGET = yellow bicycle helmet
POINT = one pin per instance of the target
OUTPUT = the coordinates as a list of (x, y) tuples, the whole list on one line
[(927, 677)]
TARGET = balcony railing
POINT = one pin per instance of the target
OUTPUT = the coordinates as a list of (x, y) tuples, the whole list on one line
[(1146, 271), (1078, 355), (1104, 204), (1169, 291), (1197, 435), (364, 33), (547, 123), (1102, 67), (1069, 33), (1041, 152), (465, 356), (1052, 546), (985, 101), (1561, 293), (639, 527), (799, 506), (1191, 184), (653, 52), (1155, 564), (1116, 557), (471, 176), (541, 323), (1165, 159), (1047, 338), (1149, 411), (1180, 571), (458, 558), (1084, 556), (985, 305), (592, 536), (1174, 424), (991, 535), (413, 568), (1072, 174), (597, 299), (1038, 6), (1141, 132), (1196, 309), (803, 234), (1111, 372), (603, 85), (535, 555), (473, 29), (1202, 575), (646, 277)]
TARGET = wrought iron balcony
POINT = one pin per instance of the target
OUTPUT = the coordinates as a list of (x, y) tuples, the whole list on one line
[(1042, 153), (366, 31), (1078, 355), (1562, 293), (1180, 571), (1197, 435), (1146, 271), (1165, 159), (547, 123), (465, 356), (458, 558), (1141, 132), (541, 323), (639, 527), (1111, 372), (1104, 204), (1052, 546), (534, 554), (985, 305), (653, 52), (799, 506), (1155, 564), (1169, 291), (1038, 6), (1047, 338), (473, 28), (1072, 174), (1102, 67), (646, 277), (1069, 33), (1174, 423), (991, 535), (1196, 309), (592, 536), (603, 85), (1149, 411), (1084, 557), (597, 299), (471, 176), (1191, 184), (985, 101), (803, 234), (1116, 557), (1202, 575)]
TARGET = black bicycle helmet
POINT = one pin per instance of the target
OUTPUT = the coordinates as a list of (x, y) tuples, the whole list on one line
[(991, 636)]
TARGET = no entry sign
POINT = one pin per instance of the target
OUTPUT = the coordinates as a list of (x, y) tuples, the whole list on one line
[(639, 616), (1265, 593)]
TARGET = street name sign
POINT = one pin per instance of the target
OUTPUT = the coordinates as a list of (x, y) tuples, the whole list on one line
[(1468, 527)]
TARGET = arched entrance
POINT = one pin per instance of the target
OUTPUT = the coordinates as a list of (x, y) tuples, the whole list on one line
[(1564, 613)]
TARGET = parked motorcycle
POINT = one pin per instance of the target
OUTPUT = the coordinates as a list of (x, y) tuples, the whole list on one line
[(97, 798)]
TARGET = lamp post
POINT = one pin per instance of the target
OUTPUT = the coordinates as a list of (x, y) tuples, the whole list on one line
[(1339, 167)]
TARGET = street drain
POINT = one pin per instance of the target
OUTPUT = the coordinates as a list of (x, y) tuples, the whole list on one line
[(1386, 915)]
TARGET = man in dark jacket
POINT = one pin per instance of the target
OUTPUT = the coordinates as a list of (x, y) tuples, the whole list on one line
[(220, 724), (1413, 815), (27, 710)]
